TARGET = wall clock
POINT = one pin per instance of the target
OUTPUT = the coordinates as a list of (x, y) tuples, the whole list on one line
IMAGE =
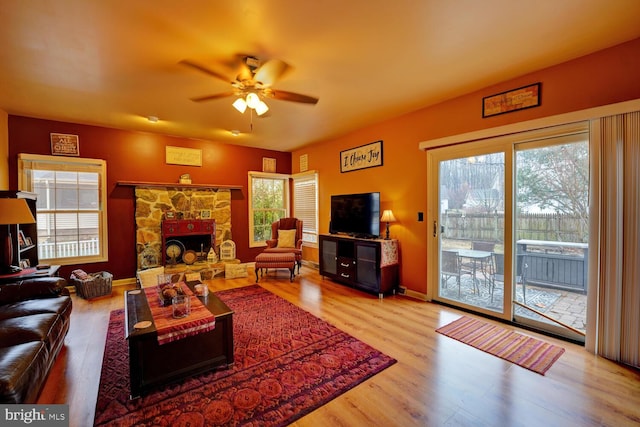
[(174, 250)]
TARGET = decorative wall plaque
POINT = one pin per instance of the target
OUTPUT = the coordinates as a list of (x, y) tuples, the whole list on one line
[(65, 145), (512, 100), (183, 156), (268, 164), (304, 163), (365, 156)]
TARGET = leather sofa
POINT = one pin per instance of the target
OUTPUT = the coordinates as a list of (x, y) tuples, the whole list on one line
[(34, 320)]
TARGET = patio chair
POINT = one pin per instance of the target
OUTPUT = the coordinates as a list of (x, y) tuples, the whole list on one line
[(482, 265), (483, 246), (497, 271), (450, 266), (523, 277)]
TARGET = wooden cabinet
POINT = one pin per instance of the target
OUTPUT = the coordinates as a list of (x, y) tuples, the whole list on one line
[(369, 265), (191, 235), (24, 236)]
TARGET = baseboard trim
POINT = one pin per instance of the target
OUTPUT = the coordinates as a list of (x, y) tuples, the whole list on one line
[(125, 282), (415, 295)]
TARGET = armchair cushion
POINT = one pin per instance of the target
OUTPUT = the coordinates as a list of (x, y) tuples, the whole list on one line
[(287, 238), (284, 224)]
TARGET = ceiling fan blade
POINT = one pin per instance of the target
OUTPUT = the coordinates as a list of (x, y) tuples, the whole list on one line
[(204, 70), (294, 97), (244, 72), (212, 97), (271, 71)]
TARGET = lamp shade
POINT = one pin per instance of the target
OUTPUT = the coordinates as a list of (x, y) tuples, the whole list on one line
[(240, 105), (15, 211), (387, 216), (261, 108), (253, 100)]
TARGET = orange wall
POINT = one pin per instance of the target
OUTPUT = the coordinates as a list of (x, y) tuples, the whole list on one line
[(4, 150), (140, 156), (606, 77)]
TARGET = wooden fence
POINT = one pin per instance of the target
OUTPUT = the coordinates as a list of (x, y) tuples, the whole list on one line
[(490, 227)]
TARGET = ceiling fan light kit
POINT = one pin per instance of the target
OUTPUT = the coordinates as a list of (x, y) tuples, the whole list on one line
[(252, 101), (252, 83)]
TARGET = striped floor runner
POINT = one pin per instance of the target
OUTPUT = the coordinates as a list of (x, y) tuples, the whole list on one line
[(528, 352)]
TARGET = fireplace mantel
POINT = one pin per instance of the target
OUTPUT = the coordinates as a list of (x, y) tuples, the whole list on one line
[(175, 185)]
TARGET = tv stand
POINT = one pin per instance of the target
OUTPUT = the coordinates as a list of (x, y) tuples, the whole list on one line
[(363, 236), (370, 265)]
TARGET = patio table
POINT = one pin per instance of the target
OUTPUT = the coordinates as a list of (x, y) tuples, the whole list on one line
[(476, 257)]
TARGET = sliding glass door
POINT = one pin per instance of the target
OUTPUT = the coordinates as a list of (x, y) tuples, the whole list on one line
[(551, 236), (469, 227), (509, 228)]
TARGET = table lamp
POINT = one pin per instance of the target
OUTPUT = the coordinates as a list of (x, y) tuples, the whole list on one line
[(387, 216), (12, 211)]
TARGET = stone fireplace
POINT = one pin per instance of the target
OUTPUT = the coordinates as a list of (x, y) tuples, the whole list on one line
[(152, 204)]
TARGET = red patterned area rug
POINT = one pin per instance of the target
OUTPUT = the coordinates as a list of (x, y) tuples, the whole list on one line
[(287, 363), (528, 352)]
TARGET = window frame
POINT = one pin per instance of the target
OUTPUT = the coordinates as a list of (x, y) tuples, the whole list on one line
[(286, 202), (30, 162)]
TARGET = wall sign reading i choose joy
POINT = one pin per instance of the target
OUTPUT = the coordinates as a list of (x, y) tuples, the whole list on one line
[(365, 156)]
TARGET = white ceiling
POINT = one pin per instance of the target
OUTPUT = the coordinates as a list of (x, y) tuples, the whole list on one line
[(114, 62)]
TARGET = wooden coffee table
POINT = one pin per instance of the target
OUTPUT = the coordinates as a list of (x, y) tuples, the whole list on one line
[(152, 365)]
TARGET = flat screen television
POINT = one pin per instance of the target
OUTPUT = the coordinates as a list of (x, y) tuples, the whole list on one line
[(357, 215)]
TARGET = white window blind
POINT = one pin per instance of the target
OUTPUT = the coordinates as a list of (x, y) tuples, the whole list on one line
[(305, 205)]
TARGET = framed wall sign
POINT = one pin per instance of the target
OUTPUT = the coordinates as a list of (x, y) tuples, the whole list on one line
[(304, 163), (65, 145), (512, 100), (183, 156), (365, 156), (268, 164)]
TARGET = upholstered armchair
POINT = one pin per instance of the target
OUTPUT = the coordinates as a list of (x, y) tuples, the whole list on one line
[(286, 236)]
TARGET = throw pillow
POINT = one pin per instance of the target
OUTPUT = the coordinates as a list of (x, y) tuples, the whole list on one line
[(286, 238), (233, 271), (80, 274), (149, 277)]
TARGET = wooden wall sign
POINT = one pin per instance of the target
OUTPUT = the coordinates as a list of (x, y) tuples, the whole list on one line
[(183, 156), (365, 156), (512, 100), (65, 145)]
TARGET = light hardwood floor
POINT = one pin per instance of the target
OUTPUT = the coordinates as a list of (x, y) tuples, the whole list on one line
[(436, 382)]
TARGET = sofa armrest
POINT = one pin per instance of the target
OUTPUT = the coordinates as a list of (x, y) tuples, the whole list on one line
[(39, 287)]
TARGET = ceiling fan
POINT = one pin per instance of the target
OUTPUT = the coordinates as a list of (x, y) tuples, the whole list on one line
[(253, 84)]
